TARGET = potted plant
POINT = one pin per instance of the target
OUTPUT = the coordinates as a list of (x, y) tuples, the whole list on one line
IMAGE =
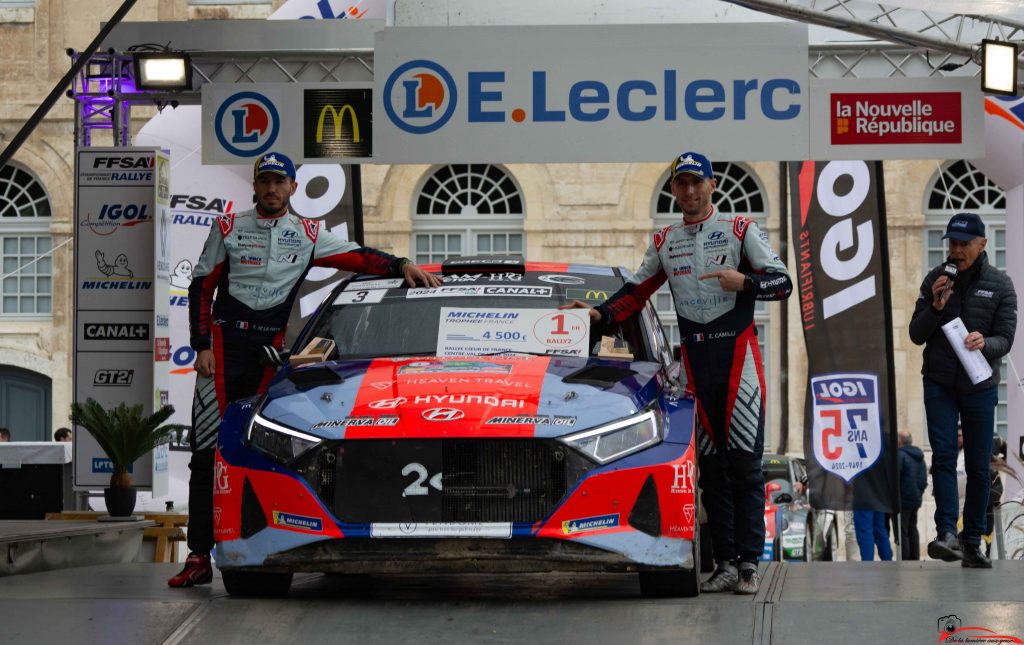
[(125, 434)]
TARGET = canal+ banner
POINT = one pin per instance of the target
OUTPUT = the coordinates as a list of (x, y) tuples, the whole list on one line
[(846, 314), (586, 93)]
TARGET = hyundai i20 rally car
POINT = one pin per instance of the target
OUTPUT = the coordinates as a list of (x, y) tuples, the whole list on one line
[(473, 427)]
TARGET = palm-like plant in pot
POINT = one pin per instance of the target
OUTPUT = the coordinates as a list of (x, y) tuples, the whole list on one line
[(125, 434)]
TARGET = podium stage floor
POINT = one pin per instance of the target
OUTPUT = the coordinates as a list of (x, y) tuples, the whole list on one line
[(843, 602)]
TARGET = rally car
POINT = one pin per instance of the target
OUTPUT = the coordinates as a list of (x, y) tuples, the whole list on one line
[(473, 427), (794, 530)]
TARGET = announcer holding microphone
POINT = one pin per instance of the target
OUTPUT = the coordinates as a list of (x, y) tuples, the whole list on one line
[(968, 287)]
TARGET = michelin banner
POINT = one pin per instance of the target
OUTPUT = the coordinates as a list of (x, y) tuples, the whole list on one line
[(846, 314), (122, 326)]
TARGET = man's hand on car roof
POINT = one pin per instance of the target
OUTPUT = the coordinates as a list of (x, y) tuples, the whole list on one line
[(413, 274)]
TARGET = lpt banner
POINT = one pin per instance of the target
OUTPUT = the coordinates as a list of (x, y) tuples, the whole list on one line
[(846, 314)]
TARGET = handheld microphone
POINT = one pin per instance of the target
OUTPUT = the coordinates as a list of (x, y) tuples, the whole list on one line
[(948, 270)]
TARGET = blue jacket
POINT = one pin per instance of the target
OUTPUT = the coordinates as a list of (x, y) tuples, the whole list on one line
[(913, 477)]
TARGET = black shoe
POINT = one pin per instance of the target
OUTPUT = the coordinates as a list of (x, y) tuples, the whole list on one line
[(724, 578), (973, 558), (946, 547), (750, 581)]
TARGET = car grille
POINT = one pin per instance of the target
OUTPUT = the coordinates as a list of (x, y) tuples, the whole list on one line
[(482, 480)]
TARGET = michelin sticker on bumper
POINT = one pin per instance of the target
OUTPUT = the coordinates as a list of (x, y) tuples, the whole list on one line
[(597, 523)]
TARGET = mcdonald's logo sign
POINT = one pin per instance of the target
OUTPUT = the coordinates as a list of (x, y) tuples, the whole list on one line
[(338, 124), (591, 295), (338, 119)]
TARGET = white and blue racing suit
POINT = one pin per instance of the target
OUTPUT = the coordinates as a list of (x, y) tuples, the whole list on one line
[(255, 265), (722, 360)]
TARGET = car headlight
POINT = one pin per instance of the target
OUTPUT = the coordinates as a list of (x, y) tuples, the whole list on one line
[(278, 441), (616, 440)]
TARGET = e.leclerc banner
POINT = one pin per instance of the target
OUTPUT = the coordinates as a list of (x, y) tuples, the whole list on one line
[(846, 314)]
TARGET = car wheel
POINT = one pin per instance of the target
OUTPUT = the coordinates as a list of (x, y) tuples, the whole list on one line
[(808, 548), (256, 584), (675, 583), (679, 583)]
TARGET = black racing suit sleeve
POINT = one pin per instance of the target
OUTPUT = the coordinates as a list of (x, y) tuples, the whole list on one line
[(633, 295)]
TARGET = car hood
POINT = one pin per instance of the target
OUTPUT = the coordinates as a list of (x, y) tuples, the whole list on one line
[(430, 397)]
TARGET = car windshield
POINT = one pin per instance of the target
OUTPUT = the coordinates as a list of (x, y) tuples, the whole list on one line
[(478, 314)]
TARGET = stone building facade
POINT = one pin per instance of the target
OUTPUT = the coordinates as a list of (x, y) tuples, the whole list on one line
[(595, 213)]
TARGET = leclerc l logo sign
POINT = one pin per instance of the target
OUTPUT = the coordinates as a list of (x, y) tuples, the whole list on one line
[(426, 100), (453, 94), (247, 124)]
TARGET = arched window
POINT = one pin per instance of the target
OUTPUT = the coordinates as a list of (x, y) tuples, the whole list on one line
[(958, 187), (26, 288), (467, 209)]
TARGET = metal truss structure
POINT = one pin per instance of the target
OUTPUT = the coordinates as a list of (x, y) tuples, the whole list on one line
[(893, 42), (952, 34), (104, 91)]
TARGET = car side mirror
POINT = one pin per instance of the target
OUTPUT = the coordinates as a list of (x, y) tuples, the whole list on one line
[(271, 356)]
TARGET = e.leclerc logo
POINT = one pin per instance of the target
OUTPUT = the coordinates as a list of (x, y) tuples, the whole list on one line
[(420, 96), (247, 124)]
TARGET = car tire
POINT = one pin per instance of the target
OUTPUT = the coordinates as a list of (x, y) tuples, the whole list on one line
[(680, 583), (675, 583), (255, 584), (808, 548)]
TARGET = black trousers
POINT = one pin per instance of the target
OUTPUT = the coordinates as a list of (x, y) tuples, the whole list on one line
[(910, 540), (238, 375)]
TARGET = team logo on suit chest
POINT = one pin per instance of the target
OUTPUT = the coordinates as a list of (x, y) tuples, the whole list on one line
[(715, 240)]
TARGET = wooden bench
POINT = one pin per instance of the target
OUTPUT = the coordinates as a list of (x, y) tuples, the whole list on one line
[(167, 534)]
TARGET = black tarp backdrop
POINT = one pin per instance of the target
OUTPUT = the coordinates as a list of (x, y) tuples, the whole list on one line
[(344, 219), (842, 277)]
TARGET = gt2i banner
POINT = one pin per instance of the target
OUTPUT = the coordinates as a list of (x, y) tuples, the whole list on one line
[(455, 95), (122, 342), (846, 315)]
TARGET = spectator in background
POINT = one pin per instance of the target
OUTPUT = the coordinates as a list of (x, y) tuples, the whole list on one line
[(870, 527), (913, 481), (5, 435), (62, 435)]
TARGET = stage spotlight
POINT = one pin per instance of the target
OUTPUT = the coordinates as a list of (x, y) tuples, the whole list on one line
[(999, 67), (162, 71)]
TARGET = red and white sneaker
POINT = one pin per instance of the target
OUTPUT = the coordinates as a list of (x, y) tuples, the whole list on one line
[(197, 571)]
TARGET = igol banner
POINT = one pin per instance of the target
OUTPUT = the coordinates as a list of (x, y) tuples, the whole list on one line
[(846, 315)]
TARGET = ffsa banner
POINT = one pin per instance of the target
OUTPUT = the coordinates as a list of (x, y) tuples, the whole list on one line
[(846, 315)]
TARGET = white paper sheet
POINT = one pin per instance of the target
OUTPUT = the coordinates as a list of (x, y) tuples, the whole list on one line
[(977, 367)]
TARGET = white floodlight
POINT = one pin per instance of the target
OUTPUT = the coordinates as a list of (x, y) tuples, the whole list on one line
[(162, 71), (998, 67)]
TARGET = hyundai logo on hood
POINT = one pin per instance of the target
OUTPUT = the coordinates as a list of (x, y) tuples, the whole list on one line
[(443, 414)]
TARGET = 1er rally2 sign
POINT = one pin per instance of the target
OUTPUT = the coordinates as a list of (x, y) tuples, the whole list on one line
[(847, 432)]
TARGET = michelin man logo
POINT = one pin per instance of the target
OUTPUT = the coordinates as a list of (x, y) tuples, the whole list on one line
[(181, 277), (119, 267)]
